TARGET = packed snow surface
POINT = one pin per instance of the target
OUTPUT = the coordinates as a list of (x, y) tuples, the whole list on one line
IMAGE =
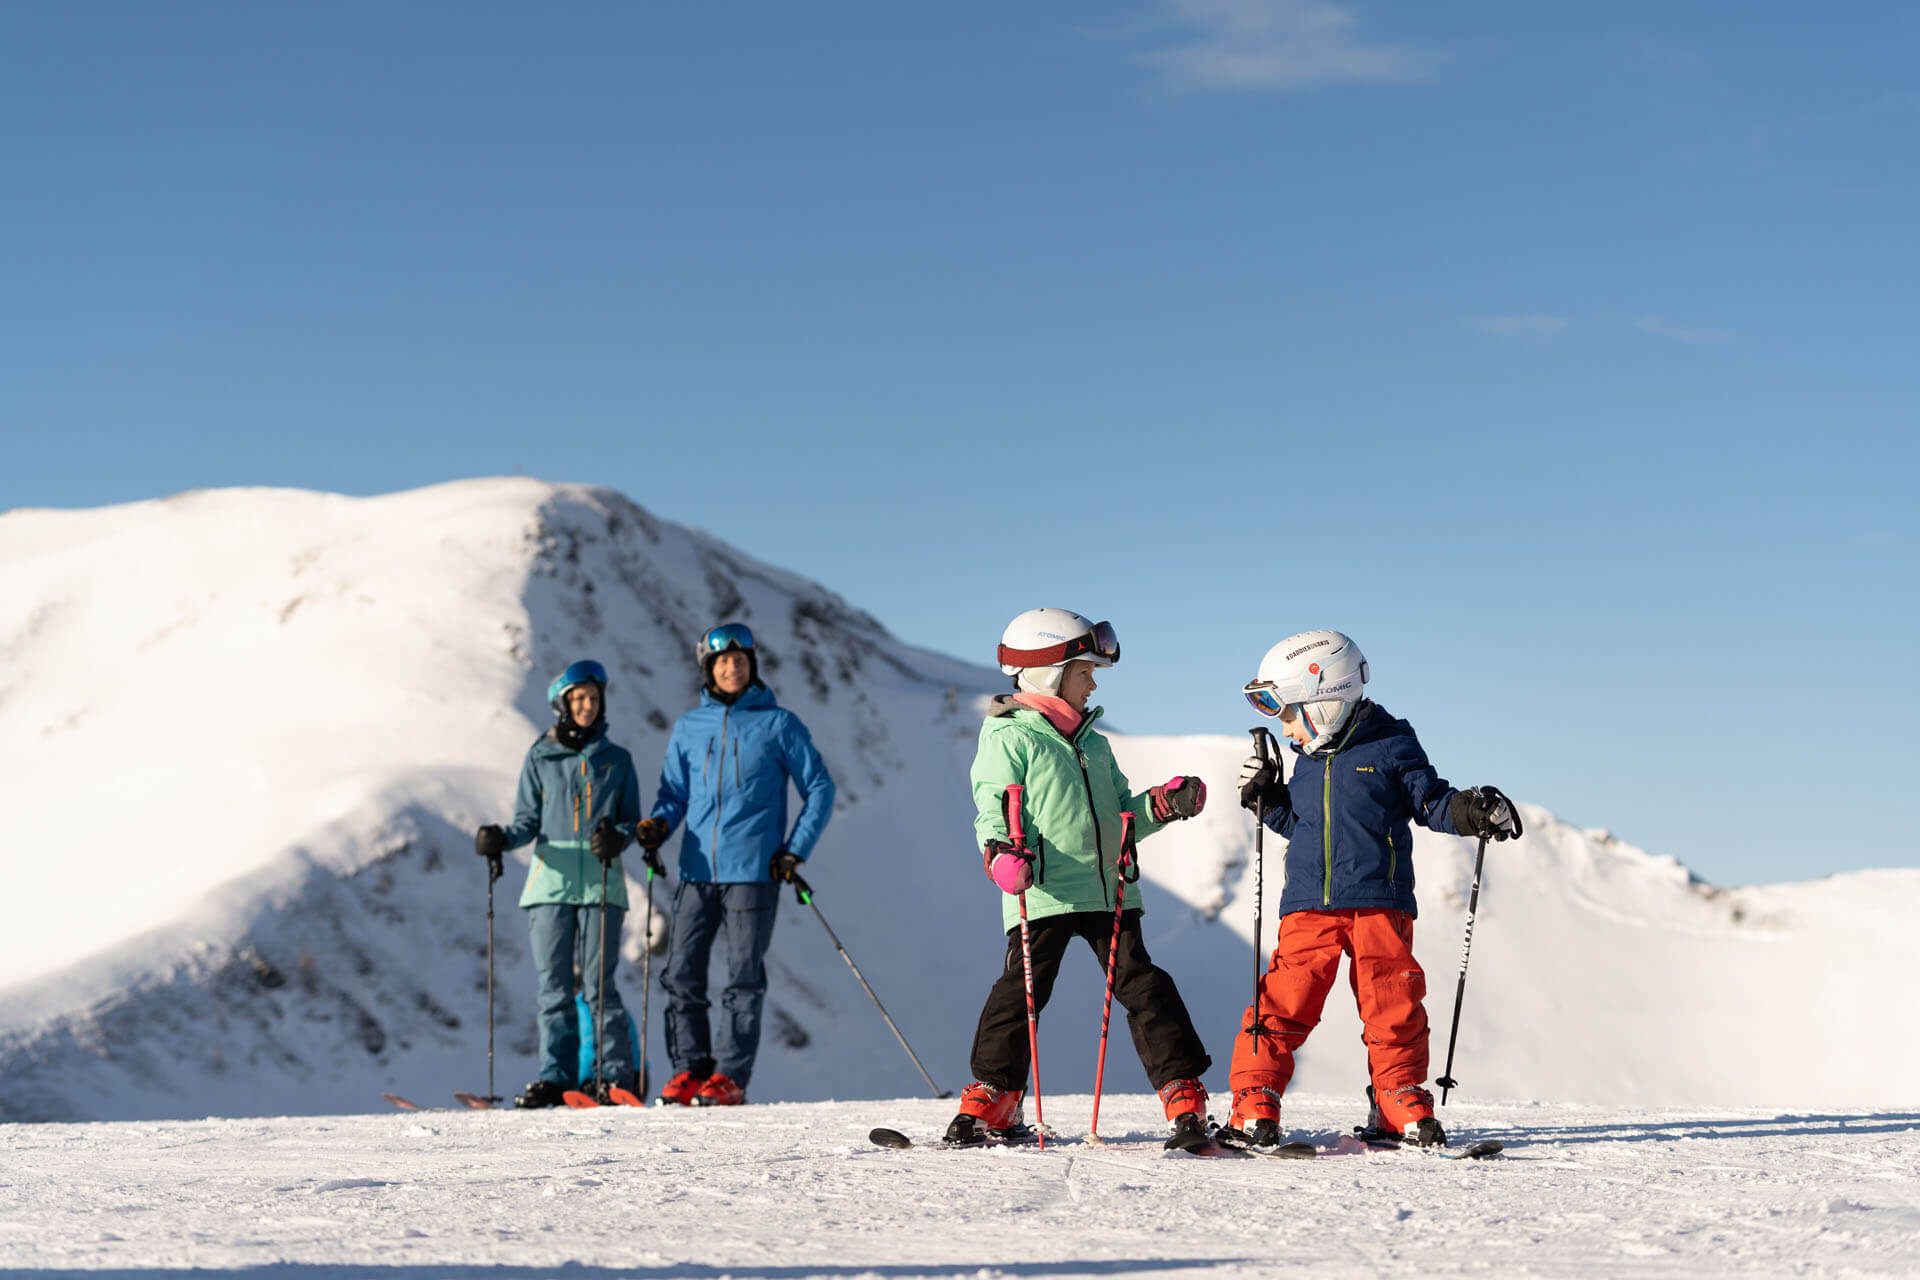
[(795, 1191)]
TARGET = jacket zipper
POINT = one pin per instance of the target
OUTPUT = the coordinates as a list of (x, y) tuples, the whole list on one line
[(719, 794), (1099, 845), (1326, 826), (1326, 809)]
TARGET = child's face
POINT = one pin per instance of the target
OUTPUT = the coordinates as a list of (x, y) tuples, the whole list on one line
[(1077, 685), (1294, 727)]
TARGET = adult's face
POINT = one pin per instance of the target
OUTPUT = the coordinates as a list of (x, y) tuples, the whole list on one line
[(732, 671), (583, 704)]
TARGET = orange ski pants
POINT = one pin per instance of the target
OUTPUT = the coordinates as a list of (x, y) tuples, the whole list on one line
[(1387, 981)]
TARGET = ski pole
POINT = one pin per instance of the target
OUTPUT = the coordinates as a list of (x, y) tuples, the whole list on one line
[(1262, 742), (1016, 796), (805, 893), (1124, 861), (646, 977), (494, 872), (600, 1006), (1446, 1081)]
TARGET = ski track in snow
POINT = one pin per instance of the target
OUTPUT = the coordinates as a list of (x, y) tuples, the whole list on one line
[(791, 1191)]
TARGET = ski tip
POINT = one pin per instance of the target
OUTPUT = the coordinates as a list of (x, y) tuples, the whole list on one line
[(626, 1097), (578, 1101), (1481, 1150), (405, 1104), (473, 1100), (890, 1138)]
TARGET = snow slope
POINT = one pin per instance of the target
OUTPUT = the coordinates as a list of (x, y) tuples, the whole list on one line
[(245, 736), (793, 1191)]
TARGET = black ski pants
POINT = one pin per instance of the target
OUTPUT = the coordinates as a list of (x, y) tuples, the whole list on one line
[(1163, 1033)]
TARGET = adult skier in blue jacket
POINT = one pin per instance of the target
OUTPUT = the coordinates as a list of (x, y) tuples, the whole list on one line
[(578, 801), (725, 777)]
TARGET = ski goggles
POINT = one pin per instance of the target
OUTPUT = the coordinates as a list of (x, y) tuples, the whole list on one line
[(1262, 696), (728, 635), (586, 671), (1100, 642)]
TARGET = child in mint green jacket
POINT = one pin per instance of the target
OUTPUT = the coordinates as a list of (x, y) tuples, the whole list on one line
[(1042, 738)]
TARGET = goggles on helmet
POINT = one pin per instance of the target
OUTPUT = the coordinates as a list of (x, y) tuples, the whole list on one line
[(586, 671), (1262, 697), (1101, 642), (728, 635)]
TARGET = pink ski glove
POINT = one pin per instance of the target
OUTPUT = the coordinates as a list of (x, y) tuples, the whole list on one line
[(1178, 798), (1006, 867)]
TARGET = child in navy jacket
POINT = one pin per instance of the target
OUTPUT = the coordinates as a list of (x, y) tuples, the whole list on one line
[(1360, 780)]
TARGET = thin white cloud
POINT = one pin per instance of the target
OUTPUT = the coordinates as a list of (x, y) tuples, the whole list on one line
[(1681, 333), (1279, 44), (1533, 326)]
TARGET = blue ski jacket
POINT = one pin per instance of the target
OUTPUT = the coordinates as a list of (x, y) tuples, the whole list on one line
[(726, 775), (562, 797), (1348, 821)]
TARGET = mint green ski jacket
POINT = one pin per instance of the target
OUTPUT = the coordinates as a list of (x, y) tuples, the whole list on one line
[(1074, 796)]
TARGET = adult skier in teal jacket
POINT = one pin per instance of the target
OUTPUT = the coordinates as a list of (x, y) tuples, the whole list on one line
[(577, 803), (725, 779)]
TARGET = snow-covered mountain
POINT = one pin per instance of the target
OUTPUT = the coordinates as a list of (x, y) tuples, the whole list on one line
[(245, 736)]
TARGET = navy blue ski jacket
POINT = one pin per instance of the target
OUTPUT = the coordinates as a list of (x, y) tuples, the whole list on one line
[(726, 775), (1348, 823)]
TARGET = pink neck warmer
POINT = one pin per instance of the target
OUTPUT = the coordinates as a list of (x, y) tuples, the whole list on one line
[(1058, 711)]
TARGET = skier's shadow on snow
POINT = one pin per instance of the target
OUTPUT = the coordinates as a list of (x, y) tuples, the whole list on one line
[(692, 1271), (1784, 1125)]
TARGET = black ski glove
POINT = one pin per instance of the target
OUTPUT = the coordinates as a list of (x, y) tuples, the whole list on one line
[(652, 833), (490, 842), (607, 842), (1261, 788), (1485, 812), (783, 866)]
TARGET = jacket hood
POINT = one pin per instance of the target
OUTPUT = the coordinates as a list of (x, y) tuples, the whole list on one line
[(549, 745), (755, 695)]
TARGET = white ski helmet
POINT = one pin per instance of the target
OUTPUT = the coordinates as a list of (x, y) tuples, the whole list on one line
[(1318, 675), (1037, 646)]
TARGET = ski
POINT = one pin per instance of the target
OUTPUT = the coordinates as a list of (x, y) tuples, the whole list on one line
[(1191, 1138), (1282, 1151), (472, 1100), (898, 1141), (405, 1104), (1387, 1140), (616, 1096)]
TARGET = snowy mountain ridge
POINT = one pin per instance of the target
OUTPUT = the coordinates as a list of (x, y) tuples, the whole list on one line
[(247, 734)]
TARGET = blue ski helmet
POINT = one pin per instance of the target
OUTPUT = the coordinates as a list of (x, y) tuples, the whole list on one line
[(726, 638), (585, 671)]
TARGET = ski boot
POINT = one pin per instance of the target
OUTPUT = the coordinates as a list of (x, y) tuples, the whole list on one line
[(1405, 1115), (541, 1093), (679, 1091), (987, 1115), (1185, 1101), (1255, 1120), (719, 1091)]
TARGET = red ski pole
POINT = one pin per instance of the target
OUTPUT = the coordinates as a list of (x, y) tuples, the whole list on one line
[(1016, 795), (1124, 861)]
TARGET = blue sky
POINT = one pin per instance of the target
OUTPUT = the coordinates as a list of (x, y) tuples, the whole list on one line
[(1564, 358)]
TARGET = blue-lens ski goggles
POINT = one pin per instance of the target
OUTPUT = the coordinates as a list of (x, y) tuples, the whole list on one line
[(1262, 698), (728, 635), (586, 671)]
